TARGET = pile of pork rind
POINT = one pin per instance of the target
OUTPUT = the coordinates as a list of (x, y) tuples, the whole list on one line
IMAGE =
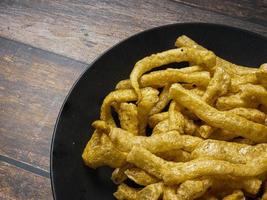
[(197, 132)]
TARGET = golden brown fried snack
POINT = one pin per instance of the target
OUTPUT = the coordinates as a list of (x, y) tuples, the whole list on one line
[(164, 99), (234, 101), (229, 151), (118, 175), (218, 86), (150, 192), (128, 117), (219, 119), (175, 173), (161, 127), (175, 155), (250, 114), (169, 193), (261, 75), (192, 189), (144, 106), (156, 118), (115, 96), (141, 177), (236, 195), (252, 93), (164, 77), (184, 41), (171, 140), (176, 119), (100, 151), (199, 57), (205, 131)]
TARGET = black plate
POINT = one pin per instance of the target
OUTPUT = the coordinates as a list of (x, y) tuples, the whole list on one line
[(70, 178)]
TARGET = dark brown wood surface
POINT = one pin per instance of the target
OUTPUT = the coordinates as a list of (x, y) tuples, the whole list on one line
[(45, 45)]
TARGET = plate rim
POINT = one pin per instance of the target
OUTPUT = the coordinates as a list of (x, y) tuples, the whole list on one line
[(51, 176)]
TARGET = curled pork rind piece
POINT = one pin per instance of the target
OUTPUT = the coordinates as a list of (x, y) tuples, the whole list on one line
[(118, 175), (236, 195), (150, 192), (229, 151), (218, 86), (192, 189), (128, 117), (156, 143), (140, 176), (169, 75), (175, 173), (144, 106), (232, 69), (219, 119), (100, 151), (115, 96), (164, 99), (200, 57)]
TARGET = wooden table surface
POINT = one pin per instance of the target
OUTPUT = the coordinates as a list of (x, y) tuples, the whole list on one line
[(44, 47)]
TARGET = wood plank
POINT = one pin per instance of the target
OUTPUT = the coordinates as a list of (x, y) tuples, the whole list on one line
[(34, 84), (249, 10), (16, 183), (83, 29)]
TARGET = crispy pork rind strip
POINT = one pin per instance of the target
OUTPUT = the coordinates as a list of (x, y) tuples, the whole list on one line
[(175, 155), (156, 118), (190, 75), (128, 117), (115, 96), (169, 193), (199, 57), (236, 195), (192, 189), (184, 41), (141, 177), (218, 86), (175, 173), (161, 127), (100, 151), (219, 119), (119, 96), (250, 114), (234, 101), (229, 151), (118, 174), (176, 119), (164, 99), (156, 143), (150, 192), (261, 75), (164, 77), (144, 106)]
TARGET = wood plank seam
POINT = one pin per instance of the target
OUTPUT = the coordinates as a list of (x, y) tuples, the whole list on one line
[(25, 166), (50, 52)]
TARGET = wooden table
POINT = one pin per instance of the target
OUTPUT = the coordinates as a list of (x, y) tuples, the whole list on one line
[(44, 47)]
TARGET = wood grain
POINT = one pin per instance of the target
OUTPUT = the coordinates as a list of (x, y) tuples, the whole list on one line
[(34, 84), (249, 10), (17, 184), (83, 29)]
